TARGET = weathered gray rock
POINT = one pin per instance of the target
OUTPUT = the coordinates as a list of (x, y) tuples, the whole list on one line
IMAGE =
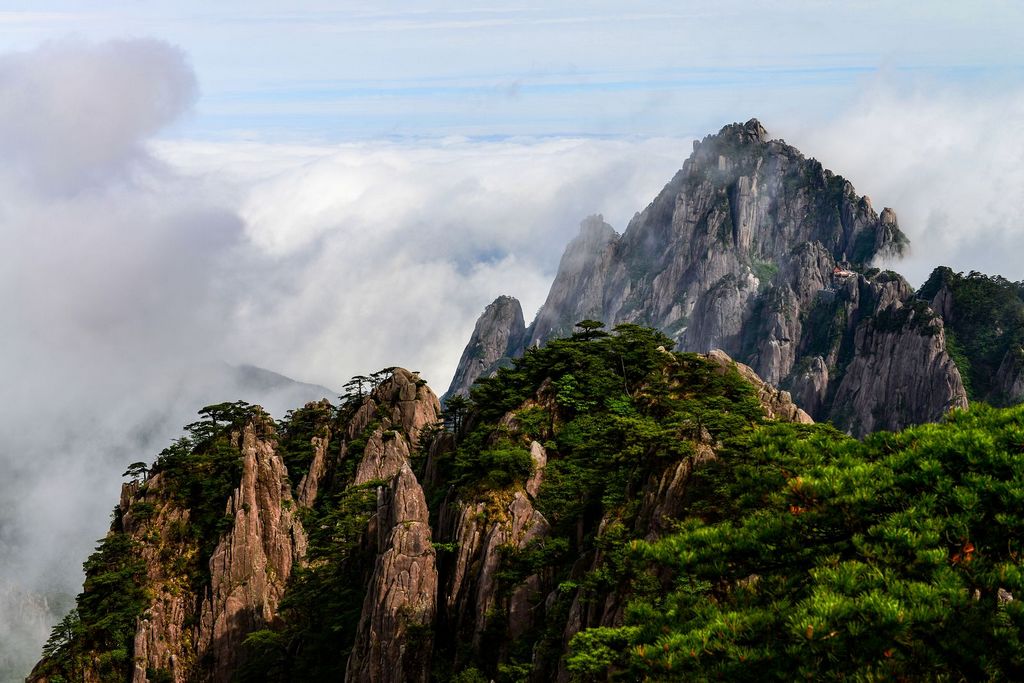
[(198, 636), (777, 404), (484, 532), (499, 335), (409, 404), (579, 290), (309, 485), (402, 591), (900, 373), (747, 250), (1010, 377), (539, 456)]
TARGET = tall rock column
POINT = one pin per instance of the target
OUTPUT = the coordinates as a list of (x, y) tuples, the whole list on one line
[(250, 567), (498, 336), (392, 639)]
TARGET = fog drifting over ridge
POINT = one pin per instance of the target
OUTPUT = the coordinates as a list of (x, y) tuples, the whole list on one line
[(135, 266)]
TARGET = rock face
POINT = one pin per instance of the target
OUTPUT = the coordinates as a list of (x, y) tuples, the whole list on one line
[(250, 567), (578, 291), (498, 335), (401, 594), (900, 373), (483, 532), (193, 631), (750, 249), (984, 321), (778, 405), (484, 580), (402, 591), (1010, 377)]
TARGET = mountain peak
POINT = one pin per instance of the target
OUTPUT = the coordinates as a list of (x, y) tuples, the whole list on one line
[(750, 132)]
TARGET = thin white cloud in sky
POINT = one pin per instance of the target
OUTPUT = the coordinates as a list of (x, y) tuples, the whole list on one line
[(341, 70)]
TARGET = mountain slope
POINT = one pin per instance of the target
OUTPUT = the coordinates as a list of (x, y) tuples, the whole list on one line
[(604, 509)]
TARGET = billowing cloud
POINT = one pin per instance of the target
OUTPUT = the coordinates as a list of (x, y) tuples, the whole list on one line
[(135, 269), (111, 287), (75, 114)]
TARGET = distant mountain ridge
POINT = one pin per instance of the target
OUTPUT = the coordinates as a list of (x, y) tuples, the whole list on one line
[(755, 249)]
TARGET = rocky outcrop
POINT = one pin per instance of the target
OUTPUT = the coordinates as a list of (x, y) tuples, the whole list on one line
[(900, 373), (309, 485), (408, 403), (163, 640), (752, 249), (392, 640), (484, 534), (250, 567), (1009, 379), (777, 405), (498, 336), (579, 290)]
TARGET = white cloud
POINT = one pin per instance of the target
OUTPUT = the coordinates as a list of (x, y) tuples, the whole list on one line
[(75, 114), (131, 265), (132, 268)]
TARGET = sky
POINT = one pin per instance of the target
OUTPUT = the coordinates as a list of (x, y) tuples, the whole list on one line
[(325, 189)]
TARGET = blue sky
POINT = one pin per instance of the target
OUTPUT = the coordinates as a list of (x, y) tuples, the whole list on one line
[(345, 70)]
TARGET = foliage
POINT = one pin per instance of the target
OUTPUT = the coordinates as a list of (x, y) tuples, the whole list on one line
[(324, 599), (295, 437), (803, 551), (986, 321), (613, 410), (202, 469), (99, 632)]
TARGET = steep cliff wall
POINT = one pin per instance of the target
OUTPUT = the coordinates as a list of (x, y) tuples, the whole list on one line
[(204, 545)]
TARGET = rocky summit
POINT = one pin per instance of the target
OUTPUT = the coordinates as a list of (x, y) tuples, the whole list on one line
[(756, 250)]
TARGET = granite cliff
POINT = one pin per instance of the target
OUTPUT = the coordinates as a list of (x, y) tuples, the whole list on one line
[(756, 250)]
